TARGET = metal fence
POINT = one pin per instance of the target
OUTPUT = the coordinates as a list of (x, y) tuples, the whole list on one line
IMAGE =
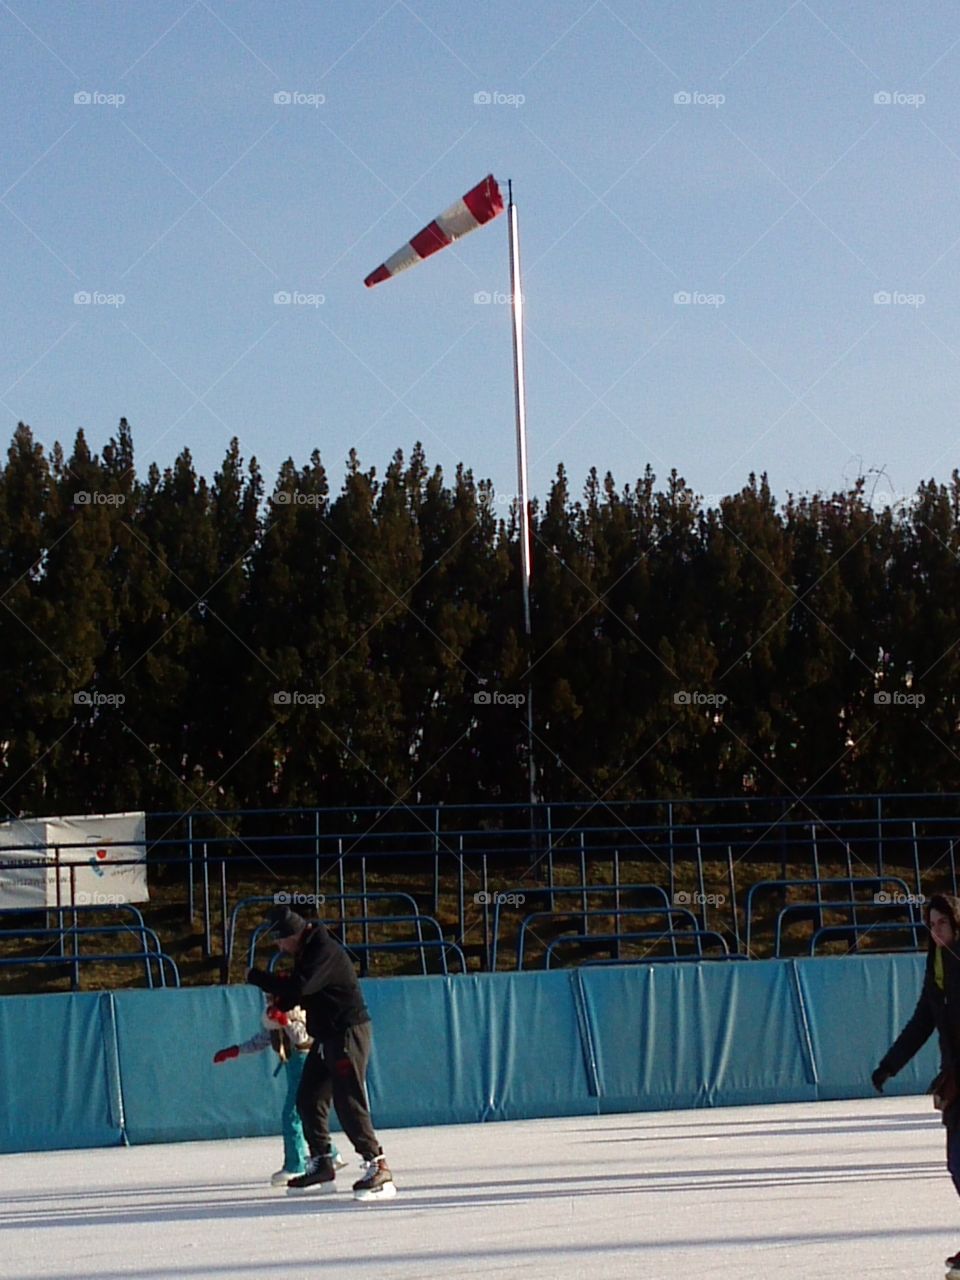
[(460, 865)]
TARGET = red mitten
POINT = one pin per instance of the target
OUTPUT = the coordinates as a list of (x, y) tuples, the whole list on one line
[(278, 1016), (224, 1055)]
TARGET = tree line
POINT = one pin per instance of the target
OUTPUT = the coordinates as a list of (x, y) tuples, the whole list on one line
[(172, 642)]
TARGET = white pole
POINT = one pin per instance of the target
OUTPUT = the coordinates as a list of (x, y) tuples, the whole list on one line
[(516, 293)]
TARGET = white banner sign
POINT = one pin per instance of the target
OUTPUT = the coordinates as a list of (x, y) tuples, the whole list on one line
[(88, 875)]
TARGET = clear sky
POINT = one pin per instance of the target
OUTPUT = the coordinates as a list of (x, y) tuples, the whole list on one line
[(782, 197)]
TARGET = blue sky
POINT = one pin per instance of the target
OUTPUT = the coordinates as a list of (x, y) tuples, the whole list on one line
[(783, 198)]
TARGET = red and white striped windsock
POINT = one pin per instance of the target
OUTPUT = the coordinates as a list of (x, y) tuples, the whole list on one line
[(482, 203)]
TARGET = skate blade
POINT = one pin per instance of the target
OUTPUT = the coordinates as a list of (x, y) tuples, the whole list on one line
[(386, 1192), (318, 1189)]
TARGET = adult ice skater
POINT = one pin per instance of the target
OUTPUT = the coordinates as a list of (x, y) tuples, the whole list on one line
[(324, 984), (937, 1009)]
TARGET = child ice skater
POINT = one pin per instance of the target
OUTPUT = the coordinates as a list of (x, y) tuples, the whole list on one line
[(286, 1034)]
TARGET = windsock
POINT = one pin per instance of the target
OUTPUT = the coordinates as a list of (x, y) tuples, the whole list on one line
[(481, 204)]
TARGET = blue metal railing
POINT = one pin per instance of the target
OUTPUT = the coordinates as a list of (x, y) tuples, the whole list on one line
[(77, 957), (353, 948), (516, 897), (649, 938), (816, 884), (670, 913), (460, 849), (375, 896), (418, 920), (879, 926)]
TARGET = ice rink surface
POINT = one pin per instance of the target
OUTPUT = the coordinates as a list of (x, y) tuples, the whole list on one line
[(807, 1191)]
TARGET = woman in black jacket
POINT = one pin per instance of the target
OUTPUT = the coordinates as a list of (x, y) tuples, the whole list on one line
[(937, 1009)]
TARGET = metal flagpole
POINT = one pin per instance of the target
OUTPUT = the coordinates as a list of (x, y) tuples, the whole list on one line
[(516, 294)]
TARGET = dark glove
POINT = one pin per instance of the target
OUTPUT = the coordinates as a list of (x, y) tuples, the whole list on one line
[(880, 1078), (260, 979), (223, 1055)]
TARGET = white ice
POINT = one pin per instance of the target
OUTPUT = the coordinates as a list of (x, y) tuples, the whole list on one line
[(806, 1191)]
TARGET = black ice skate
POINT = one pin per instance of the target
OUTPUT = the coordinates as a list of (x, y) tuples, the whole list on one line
[(377, 1181), (320, 1176)]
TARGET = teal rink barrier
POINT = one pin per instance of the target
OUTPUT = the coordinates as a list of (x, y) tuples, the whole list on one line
[(59, 1073), (871, 1005), (136, 1066)]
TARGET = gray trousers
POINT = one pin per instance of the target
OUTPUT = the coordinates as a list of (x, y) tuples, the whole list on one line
[(335, 1071)]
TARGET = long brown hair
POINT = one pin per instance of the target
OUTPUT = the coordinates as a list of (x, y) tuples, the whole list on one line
[(948, 906)]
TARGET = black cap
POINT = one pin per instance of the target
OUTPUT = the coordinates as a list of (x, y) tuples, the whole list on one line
[(285, 923)]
